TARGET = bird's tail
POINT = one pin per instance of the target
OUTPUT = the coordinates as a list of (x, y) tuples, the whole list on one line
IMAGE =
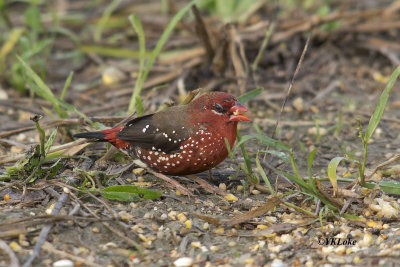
[(109, 135)]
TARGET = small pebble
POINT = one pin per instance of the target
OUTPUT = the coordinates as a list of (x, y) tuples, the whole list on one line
[(231, 198), (188, 224), (163, 216), (232, 244), (64, 263), (183, 262), (278, 263), (255, 192), (206, 226), (222, 186), (214, 248)]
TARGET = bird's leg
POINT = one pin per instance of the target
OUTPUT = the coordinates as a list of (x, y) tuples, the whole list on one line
[(208, 187), (172, 182)]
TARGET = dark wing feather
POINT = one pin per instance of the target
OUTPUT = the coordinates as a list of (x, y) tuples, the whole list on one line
[(163, 131)]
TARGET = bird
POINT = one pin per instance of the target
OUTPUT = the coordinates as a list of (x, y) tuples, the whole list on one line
[(180, 140)]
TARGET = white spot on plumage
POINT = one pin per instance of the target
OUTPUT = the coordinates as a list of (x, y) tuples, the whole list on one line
[(148, 157), (139, 151), (144, 130), (173, 131), (147, 126), (181, 147), (156, 153)]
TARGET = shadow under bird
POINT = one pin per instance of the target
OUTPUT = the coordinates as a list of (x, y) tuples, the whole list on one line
[(180, 140)]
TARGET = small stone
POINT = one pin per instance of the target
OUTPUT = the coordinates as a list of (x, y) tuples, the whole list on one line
[(206, 225), (231, 197), (214, 248), (219, 231), (64, 263), (15, 246), (255, 192), (222, 186), (183, 262), (172, 215), (188, 224), (182, 217), (232, 244), (298, 104), (163, 216), (278, 263), (195, 244)]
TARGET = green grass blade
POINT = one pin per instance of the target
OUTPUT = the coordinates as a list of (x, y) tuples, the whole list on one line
[(111, 51), (104, 18), (263, 139), (263, 175), (390, 187), (310, 160), (284, 157), (250, 95), (332, 167), (142, 57), (253, 179), (163, 39), (128, 193), (376, 116), (50, 141), (66, 86)]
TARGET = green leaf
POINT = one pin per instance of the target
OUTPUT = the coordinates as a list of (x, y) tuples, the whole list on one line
[(332, 167), (283, 156), (41, 89), (390, 187), (139, 106), (157, 50), (263, 139), (32, 18), (376, 116), (250, 95), (137, 25), (104, 18), (66, 85), (128, 193), (248, 169), (50, 141), (264, 176), (310, 160)]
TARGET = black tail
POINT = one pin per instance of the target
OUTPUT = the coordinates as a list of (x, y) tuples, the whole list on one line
[(92, 135)]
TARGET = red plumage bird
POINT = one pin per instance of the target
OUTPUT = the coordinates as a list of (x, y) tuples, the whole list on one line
[(180, 140)]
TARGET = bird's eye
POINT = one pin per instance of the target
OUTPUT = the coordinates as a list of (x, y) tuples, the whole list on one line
[(218, 108)]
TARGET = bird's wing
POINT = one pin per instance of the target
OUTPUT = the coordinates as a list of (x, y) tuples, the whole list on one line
[(163, 131)]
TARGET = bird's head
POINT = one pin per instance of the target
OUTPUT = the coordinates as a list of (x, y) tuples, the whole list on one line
[(220, 106)]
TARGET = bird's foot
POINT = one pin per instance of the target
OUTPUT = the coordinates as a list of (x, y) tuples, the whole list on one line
[(208, 187), (173, 183)]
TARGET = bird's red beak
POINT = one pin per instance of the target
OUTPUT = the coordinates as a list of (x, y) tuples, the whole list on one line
[(237, 113)]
